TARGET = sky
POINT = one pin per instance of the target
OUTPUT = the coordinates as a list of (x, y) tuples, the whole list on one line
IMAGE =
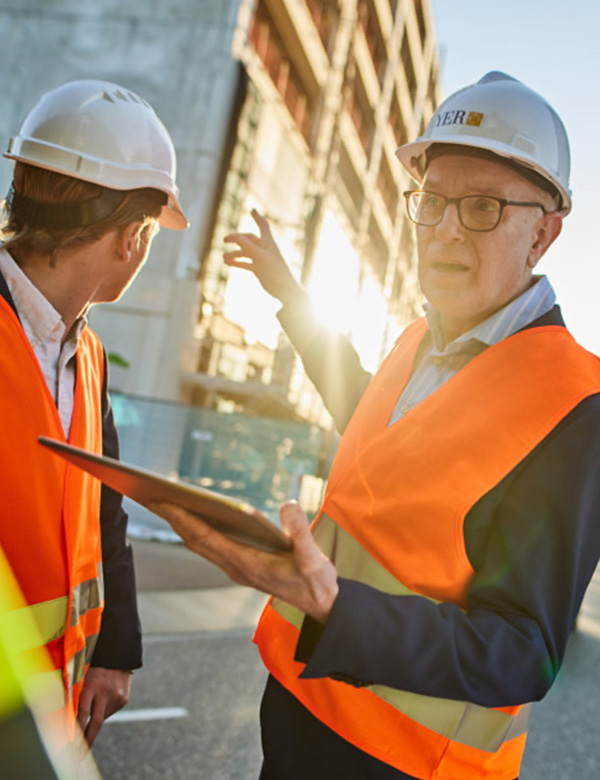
[(553, 47)]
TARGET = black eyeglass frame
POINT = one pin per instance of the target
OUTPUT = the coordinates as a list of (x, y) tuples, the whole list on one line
[(503, 202)]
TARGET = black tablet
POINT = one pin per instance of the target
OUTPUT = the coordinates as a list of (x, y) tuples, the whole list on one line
[(236, 519)]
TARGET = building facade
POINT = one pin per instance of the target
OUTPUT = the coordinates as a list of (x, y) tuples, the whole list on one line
[(327, 92)]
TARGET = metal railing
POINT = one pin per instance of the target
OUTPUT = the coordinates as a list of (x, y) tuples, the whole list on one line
[(262, 461)]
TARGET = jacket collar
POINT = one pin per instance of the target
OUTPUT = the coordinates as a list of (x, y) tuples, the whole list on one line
[(5, 293)]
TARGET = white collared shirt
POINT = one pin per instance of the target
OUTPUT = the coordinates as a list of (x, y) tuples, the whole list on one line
[(438, 363), (45, 330)]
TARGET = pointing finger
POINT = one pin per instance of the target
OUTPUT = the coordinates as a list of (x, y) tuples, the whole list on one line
[(262, 224)]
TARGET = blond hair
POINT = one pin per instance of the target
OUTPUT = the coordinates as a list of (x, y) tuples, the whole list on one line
[(51, 188)]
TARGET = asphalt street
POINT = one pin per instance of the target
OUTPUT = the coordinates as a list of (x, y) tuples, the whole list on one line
[(193, 713)]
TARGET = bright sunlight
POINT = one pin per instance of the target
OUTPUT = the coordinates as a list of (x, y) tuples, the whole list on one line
[(340, 300)]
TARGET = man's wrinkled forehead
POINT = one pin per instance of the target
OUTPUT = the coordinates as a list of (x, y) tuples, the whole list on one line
[(458, 174), (436, 151)]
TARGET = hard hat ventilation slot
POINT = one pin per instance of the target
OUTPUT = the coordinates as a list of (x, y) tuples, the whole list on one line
[(524, 144)]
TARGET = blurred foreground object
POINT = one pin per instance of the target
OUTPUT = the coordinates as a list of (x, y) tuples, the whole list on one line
[(28, 749)]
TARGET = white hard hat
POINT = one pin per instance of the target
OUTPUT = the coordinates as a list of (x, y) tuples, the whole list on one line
[(501, 115), (102, 133)]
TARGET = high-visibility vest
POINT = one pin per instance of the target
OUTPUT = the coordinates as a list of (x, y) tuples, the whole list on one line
[(393, 517), (50, 528)]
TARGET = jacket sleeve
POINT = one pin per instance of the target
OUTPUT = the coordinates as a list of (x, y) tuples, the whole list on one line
[(330, 361), (119, 644), (534, 545)]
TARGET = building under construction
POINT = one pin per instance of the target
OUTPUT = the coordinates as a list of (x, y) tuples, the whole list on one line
[(327, 92)]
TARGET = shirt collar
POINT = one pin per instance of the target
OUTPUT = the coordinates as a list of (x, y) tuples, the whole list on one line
[(536, 301), (40, 320)]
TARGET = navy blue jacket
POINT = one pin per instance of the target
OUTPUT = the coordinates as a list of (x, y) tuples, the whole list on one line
[(119, 643), (534, 543)]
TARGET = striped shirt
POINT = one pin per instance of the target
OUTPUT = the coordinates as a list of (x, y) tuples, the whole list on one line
[(438, 363)]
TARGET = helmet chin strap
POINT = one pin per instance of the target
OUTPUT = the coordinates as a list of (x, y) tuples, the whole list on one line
[(63, 216)]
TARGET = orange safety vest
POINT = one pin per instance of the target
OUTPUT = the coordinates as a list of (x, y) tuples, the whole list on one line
[(393, 517), (50, 528)]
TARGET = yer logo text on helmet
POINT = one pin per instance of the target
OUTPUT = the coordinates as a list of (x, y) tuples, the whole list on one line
[(459, 117)]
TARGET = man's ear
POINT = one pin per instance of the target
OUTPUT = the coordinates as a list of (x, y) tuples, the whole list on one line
[(127, 240), (546, 232)]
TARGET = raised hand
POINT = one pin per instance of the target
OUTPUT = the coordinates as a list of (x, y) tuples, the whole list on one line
[(262, 256)]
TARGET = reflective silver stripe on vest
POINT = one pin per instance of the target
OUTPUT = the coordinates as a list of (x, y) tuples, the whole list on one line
[(86, 596), (77, 665), (468, 724)]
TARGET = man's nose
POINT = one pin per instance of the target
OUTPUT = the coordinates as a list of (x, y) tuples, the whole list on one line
[(450, 227)]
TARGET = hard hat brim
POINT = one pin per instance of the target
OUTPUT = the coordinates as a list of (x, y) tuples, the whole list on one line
[(172, 216)]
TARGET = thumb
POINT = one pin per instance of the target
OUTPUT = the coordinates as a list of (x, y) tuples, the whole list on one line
[(293, 519), (295, 523)]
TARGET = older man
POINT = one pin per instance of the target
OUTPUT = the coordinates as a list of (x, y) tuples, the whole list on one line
[(435, 596)]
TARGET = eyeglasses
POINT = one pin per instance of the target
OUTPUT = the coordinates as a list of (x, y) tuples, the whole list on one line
[(475, 212)]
